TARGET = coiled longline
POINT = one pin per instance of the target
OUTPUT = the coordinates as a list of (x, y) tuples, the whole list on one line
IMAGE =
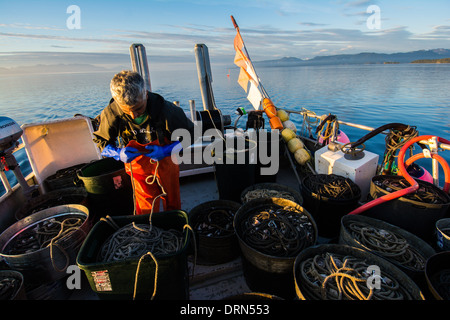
[(331, 276), (134, 240), (387, 243), (278, 231)]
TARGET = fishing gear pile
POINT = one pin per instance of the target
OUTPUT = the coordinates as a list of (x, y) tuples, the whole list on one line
[(44, 234), (134, 240), (426, 193), (266, 193), (332, 186), (215, 222), (278, 231), (331, 276), (389, 244)]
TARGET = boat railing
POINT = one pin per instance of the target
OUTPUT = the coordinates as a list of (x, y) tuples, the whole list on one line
[(433, 143), (8, 181)]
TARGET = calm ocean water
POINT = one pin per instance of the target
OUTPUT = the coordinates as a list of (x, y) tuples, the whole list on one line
[(373, 95)]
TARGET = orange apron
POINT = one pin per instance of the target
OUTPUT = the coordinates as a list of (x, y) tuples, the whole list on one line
[(154, 181)]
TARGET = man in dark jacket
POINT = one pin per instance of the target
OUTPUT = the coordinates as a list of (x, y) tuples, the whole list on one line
[(136, 128)]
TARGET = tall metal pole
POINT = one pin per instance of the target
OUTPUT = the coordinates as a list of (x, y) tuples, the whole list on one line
[(204, 76), (139, 63)]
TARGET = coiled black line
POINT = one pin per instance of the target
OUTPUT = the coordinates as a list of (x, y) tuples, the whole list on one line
[(331, 276), (278, 231)]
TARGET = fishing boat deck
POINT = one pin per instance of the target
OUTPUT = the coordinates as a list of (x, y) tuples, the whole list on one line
[(206, 282), (215, 282)]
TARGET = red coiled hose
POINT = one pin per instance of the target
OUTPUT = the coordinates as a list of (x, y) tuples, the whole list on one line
[(402, 168)]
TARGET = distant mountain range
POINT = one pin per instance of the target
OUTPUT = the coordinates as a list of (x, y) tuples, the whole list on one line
[(85, 63), (360, 58), (53, 68)]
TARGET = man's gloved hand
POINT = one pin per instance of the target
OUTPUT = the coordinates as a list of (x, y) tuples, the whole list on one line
[(126, 154), (158, 153)]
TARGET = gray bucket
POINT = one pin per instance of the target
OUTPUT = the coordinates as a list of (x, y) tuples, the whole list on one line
[(443, 234), (38, 266)]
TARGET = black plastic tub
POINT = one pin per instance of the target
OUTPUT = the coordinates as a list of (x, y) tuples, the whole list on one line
[(437, 272), (415, 243), (415, 216), (108, 186), (264, 272), (304, 291), (73, 195), (221, 244), (293, 194), (14, 281), (327, 210), (235, 168), (63, 178)]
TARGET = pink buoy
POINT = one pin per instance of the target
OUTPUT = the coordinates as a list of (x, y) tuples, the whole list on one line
[(419, 172), (341, 137)]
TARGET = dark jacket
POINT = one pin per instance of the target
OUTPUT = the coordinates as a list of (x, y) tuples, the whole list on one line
[(164, 118)]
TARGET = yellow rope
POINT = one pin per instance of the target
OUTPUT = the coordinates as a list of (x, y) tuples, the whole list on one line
[(155, 178), (195, 247), (137, 274), (349, 290), (61, 234), (156, 265)]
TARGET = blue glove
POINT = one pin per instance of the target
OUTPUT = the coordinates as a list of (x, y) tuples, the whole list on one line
[(126, 154), (158, 153)]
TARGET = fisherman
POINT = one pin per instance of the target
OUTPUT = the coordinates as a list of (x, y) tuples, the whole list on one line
[(136, 128)]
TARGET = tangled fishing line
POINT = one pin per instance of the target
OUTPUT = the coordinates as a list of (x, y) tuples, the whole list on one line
[(389, 244), (331, 186), (278, 231), (332, 276), (425, 194), (135, 240), (214, 222), (43, 235), (267, 193)]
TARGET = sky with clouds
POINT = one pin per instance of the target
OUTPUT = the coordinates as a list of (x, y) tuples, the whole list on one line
[(101, 32)]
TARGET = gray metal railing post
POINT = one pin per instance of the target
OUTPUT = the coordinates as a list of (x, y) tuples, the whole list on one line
[(204, 76), (139, 63)]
